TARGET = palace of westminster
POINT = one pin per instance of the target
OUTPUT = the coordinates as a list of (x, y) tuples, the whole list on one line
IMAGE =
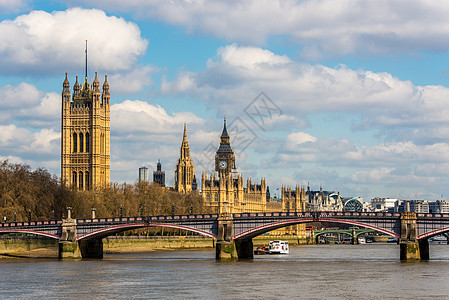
[(85, 162)]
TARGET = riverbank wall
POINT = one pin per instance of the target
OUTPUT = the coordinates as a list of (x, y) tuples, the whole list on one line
[(31, 245), (22, 244), (121, 244)]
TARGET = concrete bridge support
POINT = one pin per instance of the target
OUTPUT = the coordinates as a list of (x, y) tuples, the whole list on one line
[(411, 249), (69, 250), (225, 248), (228, 249), (91, 248), (68, 246), (244, 249)]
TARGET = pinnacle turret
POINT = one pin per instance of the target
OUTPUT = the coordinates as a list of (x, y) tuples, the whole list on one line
[(96, 83)]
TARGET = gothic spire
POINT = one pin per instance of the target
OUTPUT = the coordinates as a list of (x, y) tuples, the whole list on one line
[(184, 139), (224, 134), (185, 149)]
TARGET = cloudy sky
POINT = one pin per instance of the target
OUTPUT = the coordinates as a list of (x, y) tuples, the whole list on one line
[(351, 95)]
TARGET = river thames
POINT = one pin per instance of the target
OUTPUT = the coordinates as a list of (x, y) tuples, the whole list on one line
[(370, 271)]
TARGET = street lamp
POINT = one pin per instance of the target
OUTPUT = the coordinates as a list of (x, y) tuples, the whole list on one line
[(243, 211)]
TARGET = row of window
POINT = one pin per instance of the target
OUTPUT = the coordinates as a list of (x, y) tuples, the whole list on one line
[(81, 142), (81, 180)]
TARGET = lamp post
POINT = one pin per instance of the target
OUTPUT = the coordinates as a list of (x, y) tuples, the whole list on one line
[(93, 210), (243, 211)]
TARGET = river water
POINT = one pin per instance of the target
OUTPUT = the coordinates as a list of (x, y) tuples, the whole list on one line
[(370, 271)]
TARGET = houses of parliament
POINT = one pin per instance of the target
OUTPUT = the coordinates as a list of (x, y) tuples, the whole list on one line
[(85, 159)]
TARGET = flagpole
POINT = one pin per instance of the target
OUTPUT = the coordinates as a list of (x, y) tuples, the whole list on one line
[(86, 59)]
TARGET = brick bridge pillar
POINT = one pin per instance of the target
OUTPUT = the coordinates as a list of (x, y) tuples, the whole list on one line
[(411, 249), (70, 248), (226, 248)]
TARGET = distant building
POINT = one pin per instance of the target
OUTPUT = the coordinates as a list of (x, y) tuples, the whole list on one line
[(416, 206), (383, 204), (159, 175), (439, 207), (143, 174), (353, 204), (323, 200)]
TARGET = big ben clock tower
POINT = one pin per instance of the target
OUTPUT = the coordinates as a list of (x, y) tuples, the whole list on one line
[(224, 158)]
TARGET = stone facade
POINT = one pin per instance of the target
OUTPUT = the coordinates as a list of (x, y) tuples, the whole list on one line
[(85, 134), (226, 193)]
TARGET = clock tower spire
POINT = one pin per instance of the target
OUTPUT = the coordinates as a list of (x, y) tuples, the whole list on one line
[(224, 158)]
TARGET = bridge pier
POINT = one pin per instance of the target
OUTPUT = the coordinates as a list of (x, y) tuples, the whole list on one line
[(68, 246), (225, 248), (91, 248), (354, 237), (411, 249), (228, 249), (69, 250), (244, 248)]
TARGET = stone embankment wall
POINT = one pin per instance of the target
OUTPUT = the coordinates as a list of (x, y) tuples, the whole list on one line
[(20, 244), (136, 243)]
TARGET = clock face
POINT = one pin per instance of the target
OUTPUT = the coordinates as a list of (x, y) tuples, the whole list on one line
[(223, 165)]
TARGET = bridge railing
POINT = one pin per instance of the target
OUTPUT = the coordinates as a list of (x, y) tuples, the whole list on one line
[(148, 219), (316, 214), (32, 223)]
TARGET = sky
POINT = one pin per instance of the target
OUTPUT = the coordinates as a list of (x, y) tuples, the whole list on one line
[(349, 95)]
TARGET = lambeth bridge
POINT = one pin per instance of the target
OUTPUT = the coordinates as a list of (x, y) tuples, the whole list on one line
[(82, 238)]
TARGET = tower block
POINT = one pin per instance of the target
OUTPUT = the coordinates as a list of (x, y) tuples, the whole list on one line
[(85, 134)]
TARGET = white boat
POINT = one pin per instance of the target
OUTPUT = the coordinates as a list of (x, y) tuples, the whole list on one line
[(361, 240), (278, 247)]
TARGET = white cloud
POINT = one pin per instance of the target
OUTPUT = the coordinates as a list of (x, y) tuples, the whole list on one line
[(25, 104), (131, 82), (20, 95), (394, 108), (41, 42), (297, 138), (138, 116), (323, 27), (21, 141)]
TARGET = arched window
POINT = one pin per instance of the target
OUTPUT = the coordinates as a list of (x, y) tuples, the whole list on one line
[(81, 137), (102, 143), (75, 142), (87, 142), (80, 176), (86, 180), (208, 197), (216, 197), (74, 178)]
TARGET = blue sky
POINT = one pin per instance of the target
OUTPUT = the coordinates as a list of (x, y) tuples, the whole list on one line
[(358, 90)]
